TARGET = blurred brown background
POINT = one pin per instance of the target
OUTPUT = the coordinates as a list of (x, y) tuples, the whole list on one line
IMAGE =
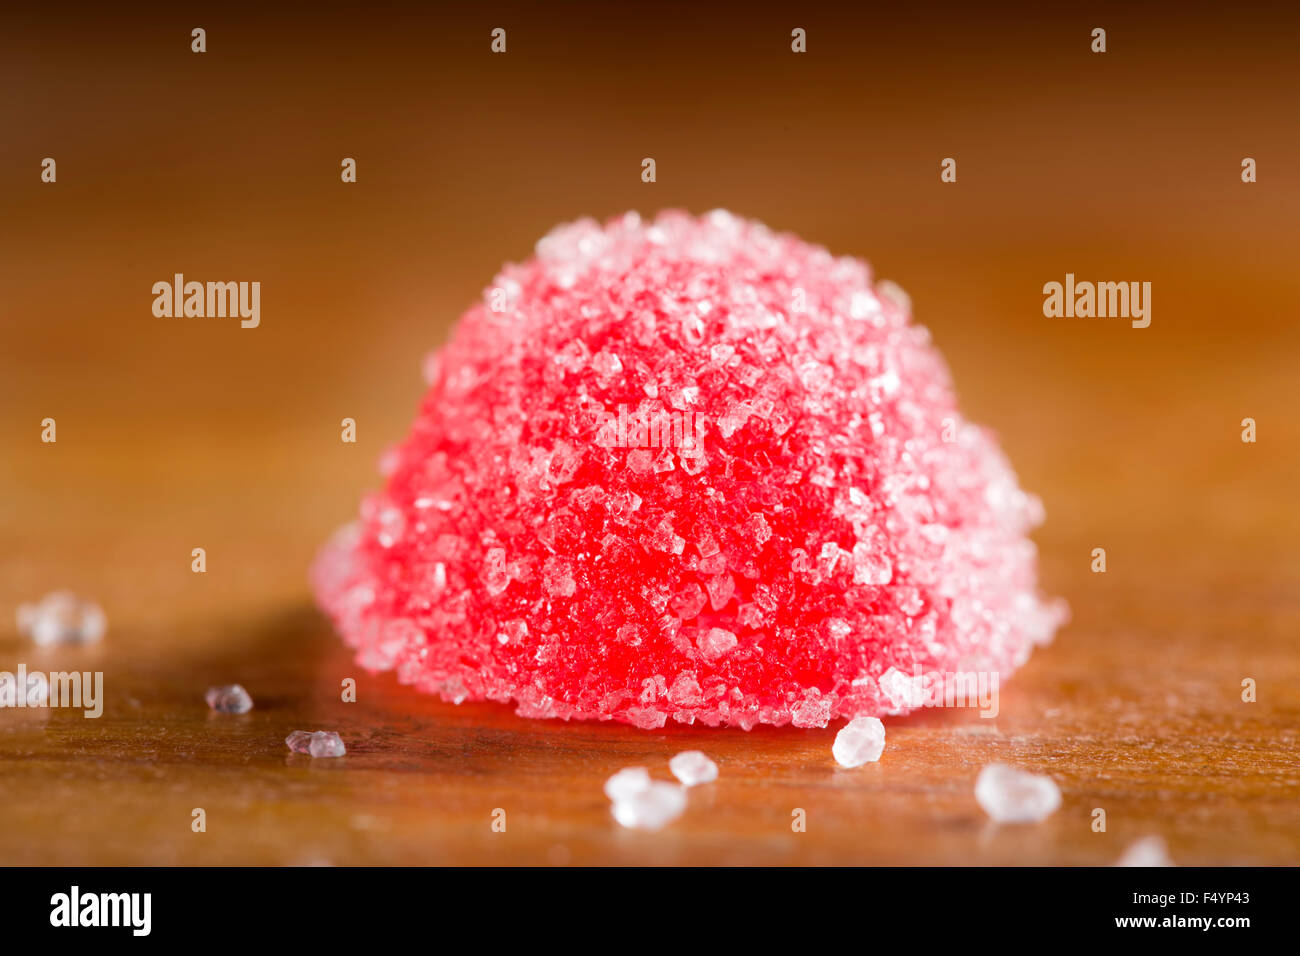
[(182, 433)]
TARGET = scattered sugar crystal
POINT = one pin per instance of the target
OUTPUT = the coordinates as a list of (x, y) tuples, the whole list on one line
[(318, 743), (652, 808), (1148, 851), (823, 533), (326, 744), (861, 740), (627, 783), (62, 617), (1009, 795), (693, 768), (231, 699)]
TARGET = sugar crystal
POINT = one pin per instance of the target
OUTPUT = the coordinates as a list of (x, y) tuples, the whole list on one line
[(627, 783), (693, 768), (326, 744), (231, 699), (1009, 795), (861, 740), (62, 617), (318, 743), (1148, 851), (651, 808)]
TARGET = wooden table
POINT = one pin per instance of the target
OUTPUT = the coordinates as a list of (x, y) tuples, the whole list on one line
[(176, 434)]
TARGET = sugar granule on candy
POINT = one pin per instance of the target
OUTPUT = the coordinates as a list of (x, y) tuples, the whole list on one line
[(692, 768), (1009, 795), (861, 740), (230, 699), (547, 535)]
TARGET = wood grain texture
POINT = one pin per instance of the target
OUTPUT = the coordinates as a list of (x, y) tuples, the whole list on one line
[(189, 433)]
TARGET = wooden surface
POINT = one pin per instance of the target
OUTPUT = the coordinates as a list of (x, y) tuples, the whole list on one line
[(179, 434), (1135, 710)]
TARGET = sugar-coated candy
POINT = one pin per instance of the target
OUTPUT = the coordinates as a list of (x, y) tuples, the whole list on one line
[(688, 469)]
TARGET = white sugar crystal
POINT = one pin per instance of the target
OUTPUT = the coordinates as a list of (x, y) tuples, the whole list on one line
[(627, 783), (861, 740), (62, 617), (1148, 851), (692, 768), (326, 744), (319, 743), (231, 699), (652, 808), (1009, 795)]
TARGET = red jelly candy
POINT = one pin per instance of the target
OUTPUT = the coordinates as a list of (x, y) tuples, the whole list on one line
[(693, 469)]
